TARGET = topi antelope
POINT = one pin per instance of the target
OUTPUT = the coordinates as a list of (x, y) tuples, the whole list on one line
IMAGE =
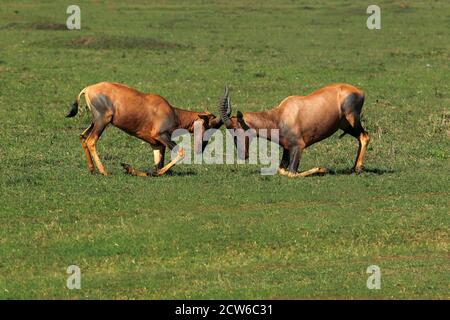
[(303, 121), (146, 116)]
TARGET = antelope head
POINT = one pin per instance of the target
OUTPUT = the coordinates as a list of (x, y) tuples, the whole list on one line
[(225, 109), (209, 121)]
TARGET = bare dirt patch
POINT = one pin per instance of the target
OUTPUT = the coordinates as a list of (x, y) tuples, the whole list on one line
[(35, 26), (109, 42)]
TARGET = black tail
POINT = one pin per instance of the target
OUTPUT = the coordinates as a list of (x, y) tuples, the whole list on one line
[(73, 110)]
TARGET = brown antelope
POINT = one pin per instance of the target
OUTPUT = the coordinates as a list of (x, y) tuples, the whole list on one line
[(146, 116), (305, 120)]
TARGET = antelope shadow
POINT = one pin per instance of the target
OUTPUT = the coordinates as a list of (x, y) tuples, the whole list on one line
[(350, 171)]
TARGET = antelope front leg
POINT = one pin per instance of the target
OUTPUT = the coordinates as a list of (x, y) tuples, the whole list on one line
[(290, 161), (134, 172), (180, 156), (294, 161), (310, 172), (165, 140), (158, 156)]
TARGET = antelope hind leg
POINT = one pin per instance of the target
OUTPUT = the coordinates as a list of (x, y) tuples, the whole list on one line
[(87, 154)]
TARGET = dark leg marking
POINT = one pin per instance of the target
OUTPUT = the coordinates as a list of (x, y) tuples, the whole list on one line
[(294, 159), (285, 159)]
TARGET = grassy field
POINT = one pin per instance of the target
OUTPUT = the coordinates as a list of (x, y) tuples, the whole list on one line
[(225, 231)]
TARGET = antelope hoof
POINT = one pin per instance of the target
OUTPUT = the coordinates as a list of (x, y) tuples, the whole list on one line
[(358, 170), (127, 168), (159, 173), (152, 174)]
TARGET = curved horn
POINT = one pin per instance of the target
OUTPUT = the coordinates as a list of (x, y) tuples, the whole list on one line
[(225, 108)]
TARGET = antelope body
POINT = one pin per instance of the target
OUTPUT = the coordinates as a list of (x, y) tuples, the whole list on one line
[(149, 117), (305, 120)]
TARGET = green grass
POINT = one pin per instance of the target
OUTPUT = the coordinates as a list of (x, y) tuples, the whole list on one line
[(225, 231)]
